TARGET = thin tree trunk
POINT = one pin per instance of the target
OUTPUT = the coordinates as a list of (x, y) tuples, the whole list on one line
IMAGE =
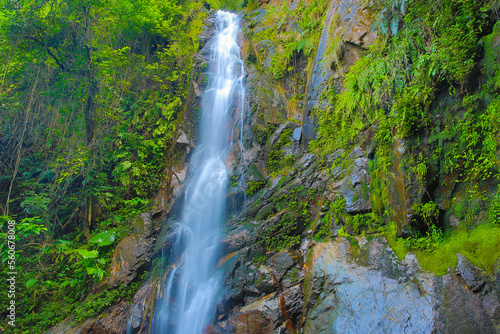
[(20, 146)]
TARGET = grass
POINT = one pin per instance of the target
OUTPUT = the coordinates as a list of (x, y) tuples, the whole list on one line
[(481, 246)]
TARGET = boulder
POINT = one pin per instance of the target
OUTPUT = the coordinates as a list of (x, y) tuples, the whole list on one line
[(261, 316), (131, 253), (368, 293)]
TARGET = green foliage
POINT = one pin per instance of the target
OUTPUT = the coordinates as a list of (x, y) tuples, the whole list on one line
[(491, 63), (276, 161), (293, 275), (389, 14), (399, 76), (95, 304), (261, 136), (254, 186), (295, 199), (105, 238), (398, 245), (91, 100), (420, 168), (427, 243), (291, 41), (282, 234), (390, 93), (226, 4), (428, 212), (323, 231), (259, 259), (494, 209)]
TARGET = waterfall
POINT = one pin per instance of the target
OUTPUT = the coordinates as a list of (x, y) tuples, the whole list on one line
[(192, 284)]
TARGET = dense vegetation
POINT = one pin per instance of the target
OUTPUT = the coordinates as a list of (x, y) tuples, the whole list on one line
[(92, 95), (429, 87), (430, 81)]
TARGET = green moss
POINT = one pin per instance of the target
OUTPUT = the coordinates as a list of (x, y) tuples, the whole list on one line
[(397, 244), (480, 246), (274, 161), (352, 240), (323, 229), (491, 55), (293, 275)]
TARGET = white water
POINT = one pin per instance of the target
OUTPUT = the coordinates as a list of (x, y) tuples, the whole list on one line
[(192, 285)]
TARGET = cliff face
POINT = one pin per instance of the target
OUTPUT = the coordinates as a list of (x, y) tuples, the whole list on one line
[(327, 243), (332, 242)]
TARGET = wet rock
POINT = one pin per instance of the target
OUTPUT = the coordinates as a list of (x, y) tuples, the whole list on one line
[(354, 33), (183, 139), (357, 152), (170, 189), (235, 201), (66, 326), (261, 316), (305, 161), (115, 322), (294, 302), (265, 281), (470, 274), (265, 211), (358, 299), (277, 134), (235, 240), (459, 310), (355, 187), (297, 133), (280, 263), (131, 253)]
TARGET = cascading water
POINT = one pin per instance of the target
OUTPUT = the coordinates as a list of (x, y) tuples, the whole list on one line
[(192, 284)]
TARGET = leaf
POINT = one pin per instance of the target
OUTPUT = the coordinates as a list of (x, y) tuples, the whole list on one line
[(104, 238), (31, 282), (91, 270), (66, 283), (126, 165), (394, 25), (88, 254), (403, 5)]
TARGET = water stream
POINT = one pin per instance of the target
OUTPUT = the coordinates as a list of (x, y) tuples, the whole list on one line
[(192, 284)]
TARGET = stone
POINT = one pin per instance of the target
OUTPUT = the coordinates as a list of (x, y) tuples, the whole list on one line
[(297, 133), (358, 298), (470, 274), (235, 240), (115, 322), (459, 310), (259, 317), (280, 263), (294, 302), (183, 139), (265, 281), (131, 253), (277, 134)]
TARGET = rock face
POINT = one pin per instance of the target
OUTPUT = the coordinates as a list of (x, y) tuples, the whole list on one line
[(366, 290), (346, 34), (360, 286), (131, 253)]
